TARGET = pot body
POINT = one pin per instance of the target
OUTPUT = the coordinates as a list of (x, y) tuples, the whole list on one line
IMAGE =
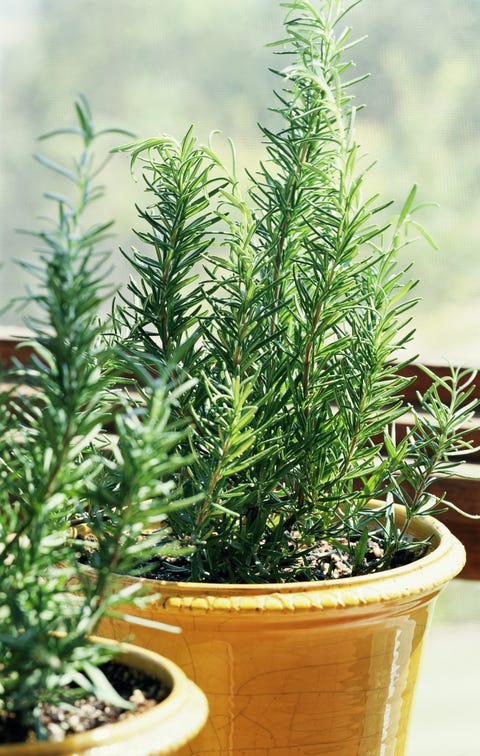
[(162, 730), (309, 669)]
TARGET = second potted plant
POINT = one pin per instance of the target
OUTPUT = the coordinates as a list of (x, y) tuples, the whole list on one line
[(63, 691)]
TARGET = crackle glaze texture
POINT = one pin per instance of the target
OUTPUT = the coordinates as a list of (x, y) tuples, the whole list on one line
[(161, 731), (309, 669)]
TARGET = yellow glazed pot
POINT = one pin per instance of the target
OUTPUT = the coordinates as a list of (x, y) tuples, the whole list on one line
[(164, 729), (305, 668)]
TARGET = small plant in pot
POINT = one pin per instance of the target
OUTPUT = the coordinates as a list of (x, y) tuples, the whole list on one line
[(62, 690), (289, 306)]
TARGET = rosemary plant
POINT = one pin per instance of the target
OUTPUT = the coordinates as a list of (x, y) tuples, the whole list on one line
[(56, 468), (289, 305)]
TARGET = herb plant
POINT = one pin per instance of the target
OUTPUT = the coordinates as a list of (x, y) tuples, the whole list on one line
[(57, 468), (289, 305)]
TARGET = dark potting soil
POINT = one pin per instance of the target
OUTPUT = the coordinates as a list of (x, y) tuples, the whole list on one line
[(87, 713), (322, 562)]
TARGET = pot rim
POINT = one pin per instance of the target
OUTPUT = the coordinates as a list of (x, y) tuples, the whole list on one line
[(425, 575)]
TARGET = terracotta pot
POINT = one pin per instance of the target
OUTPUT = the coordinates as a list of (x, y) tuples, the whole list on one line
[(305, 668), (164, 729)]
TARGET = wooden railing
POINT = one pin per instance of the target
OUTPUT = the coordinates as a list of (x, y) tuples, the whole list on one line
[(461, 487)]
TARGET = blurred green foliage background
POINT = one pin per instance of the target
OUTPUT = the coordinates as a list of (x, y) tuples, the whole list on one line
[(155, 66)]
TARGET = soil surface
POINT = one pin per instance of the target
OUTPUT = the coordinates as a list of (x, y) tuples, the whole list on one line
[(142, 690), (322, 562)]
